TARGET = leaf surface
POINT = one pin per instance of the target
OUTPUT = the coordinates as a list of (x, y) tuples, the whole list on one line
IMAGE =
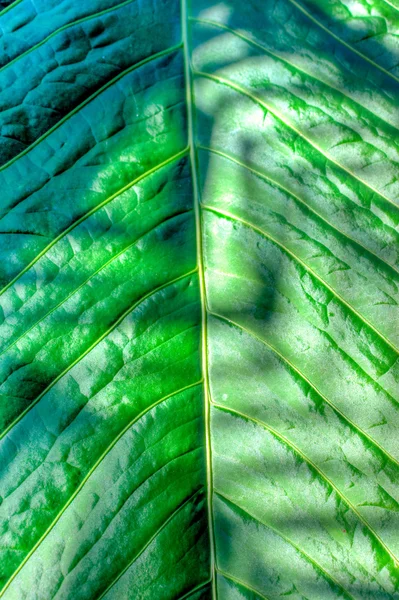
[(199, 327)]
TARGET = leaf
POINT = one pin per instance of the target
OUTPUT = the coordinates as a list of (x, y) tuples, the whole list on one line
[(199, 272)]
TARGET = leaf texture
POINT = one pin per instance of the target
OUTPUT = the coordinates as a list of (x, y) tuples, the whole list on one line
[(199, 270)]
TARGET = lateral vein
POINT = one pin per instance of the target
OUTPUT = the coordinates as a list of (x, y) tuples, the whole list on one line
[(163, 526), (276, 114), (303, 202), (66, 26), (9, 7), (228, 215), (95, 343), (341, 41), (89, 474), (90, 98), (235, 579), (90, 213), (391, 4), (266, 50), (328, 575), (196, 589), (91, 276), (322, 475), (304, 378)]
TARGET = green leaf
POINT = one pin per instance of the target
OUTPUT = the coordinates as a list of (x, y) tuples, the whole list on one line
[(199, 270)]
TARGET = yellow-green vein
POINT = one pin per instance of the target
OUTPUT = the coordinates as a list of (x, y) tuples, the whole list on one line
[(341, 41), (152, 538), (285, 60), (200, 264), (75, 224), (296, 197), (66, 26), (313, 465), (89, 99), (90, 348), (267, 235), (311, 560), (90, 472), (277, 115), (304, 378)]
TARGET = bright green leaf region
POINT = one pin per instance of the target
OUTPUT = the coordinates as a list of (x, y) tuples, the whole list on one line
[(199, 272)]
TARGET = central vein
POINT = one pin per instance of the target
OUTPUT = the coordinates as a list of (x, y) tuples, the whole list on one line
[(198, 229)]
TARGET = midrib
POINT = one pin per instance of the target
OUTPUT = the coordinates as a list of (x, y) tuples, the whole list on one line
[(200, 263)]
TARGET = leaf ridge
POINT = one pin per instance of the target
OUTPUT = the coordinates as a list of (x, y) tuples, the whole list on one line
[(228, 215), (241, 90), (196, 589), (103, 266), (304, 378), (341, 41), (89, 474), (299, 199), (165, 524), (66, 26), (266, 50), (76, 223), (322, 475), (9, 7), (235, 579), (95, 343), (115, 79), (290, 542)]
